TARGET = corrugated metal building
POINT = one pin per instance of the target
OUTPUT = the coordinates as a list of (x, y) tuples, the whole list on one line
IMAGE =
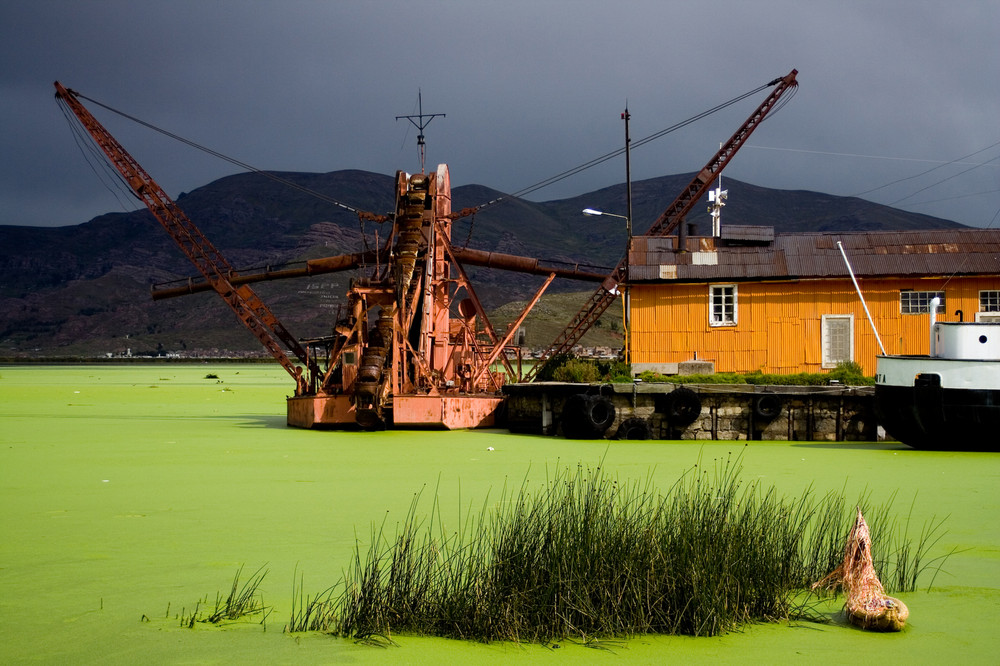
[(755, 300)]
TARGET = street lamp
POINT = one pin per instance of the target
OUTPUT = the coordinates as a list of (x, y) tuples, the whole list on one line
[(628, 229), (592, 212)]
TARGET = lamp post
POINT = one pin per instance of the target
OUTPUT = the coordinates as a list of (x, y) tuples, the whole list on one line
[(625, 297)]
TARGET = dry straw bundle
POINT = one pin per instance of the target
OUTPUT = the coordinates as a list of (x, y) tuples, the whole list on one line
[(867, 604)]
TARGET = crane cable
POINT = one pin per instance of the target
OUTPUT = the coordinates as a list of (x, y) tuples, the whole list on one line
[(620, 151), (363, 215), (112, 180), (957, 160), (231, 160)]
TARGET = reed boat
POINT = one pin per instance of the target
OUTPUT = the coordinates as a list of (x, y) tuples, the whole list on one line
[(867, 605), (884, 614)]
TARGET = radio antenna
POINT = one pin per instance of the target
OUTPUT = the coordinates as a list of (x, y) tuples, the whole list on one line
[(418, 121)]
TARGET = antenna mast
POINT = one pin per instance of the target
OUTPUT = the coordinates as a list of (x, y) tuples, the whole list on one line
[(717, 198), (418, 122)]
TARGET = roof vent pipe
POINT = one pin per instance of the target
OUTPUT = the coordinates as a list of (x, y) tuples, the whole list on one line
[(935, 302)]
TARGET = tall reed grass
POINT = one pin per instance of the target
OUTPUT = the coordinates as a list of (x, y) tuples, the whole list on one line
[(243, 602), (587, 556)]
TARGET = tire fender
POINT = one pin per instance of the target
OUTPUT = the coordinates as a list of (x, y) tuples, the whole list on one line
[(766, 407), (574, 417), (634, 428), (600, 413), (683, 407)]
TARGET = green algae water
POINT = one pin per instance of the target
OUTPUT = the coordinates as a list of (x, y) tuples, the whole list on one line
[(131, 493)]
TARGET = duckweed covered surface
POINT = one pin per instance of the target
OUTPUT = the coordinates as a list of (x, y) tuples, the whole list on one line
[(129, 493)]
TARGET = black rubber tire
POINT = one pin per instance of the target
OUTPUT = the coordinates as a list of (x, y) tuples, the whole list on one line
[(574, 417), (600, 413), (683, 407), (767, 407), (634, 428), (587, 416)]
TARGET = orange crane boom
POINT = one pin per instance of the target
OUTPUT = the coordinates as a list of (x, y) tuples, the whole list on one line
[(606, 294), (214, 267)]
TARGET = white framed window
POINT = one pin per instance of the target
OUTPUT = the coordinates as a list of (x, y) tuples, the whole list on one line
[(838, 339), (989, 300), (722, 305), (919, 302)]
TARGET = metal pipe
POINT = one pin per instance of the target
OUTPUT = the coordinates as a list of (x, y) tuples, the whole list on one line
[(935, 302), (345, 262), (626, 303), (335, 264), (858, 289), (511, 262)]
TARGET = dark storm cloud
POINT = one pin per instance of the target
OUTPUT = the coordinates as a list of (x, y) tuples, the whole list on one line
[(529, 88)]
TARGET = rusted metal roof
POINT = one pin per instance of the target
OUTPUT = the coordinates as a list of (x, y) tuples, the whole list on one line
[(816, 255), (746, 232)]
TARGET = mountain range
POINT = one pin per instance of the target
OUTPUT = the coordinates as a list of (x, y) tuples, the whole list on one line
[(84, 290)]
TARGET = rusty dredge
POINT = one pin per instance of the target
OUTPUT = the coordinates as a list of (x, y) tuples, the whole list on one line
[(416, 347)]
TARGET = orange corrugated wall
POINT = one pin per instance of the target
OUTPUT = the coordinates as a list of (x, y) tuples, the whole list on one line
[(779, 323)]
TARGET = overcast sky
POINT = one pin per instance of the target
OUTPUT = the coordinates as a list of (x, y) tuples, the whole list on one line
[(889, 90)]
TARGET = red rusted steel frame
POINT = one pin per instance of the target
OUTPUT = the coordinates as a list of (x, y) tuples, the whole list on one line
[(464, 280), (668, 220), (406, 313), (335, 358), (512, 329), (254, 314), (421, 367), (477, 351), (195, 246), (683, 204), (588, 315)]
